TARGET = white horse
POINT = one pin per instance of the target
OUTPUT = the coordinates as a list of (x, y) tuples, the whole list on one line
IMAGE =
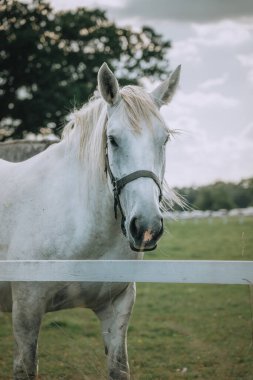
[(67, 202)]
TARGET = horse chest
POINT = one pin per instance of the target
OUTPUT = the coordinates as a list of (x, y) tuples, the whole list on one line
[(85, 294)]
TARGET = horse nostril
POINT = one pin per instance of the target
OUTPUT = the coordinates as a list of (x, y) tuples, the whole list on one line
[(134, 227)]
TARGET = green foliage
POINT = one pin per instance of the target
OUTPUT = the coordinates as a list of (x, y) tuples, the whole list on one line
[(49, 61), (220, 195)]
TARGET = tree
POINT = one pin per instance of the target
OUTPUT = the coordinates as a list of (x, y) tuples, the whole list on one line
[(220, 195), (49, 62)]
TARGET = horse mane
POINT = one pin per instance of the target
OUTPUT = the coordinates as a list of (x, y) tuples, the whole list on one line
[(87, 129)]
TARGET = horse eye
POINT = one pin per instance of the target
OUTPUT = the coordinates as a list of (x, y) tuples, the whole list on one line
[(113, 141)]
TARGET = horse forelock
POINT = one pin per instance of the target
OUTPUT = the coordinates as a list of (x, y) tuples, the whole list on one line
[(138, 106)]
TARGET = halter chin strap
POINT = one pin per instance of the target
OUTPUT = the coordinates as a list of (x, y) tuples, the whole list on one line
[(119, 184)]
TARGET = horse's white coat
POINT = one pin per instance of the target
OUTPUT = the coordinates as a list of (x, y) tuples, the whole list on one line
[(58, 205)]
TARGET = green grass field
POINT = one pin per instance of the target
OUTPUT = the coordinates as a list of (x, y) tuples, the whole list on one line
[(177, 331)]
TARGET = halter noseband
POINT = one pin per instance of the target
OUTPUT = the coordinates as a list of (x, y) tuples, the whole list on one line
[(119, 184)]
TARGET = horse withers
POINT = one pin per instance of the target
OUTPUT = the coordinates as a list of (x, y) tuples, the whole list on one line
[(97, 194)]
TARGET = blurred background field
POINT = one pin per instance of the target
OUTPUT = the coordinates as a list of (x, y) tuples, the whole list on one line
[(177, 331)]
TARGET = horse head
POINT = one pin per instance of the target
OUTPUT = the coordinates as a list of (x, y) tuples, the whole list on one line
[(136, 136)]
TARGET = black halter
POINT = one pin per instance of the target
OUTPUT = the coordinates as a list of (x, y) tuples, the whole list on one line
[(119, 184)]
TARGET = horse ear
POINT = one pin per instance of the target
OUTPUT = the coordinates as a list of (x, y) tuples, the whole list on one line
[(108, 85), (165, 91)]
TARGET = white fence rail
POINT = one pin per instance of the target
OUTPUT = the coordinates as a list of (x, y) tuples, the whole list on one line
[(166, 271)]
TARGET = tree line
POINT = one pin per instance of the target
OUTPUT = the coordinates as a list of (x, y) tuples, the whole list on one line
[(49, 62), (220, 195)]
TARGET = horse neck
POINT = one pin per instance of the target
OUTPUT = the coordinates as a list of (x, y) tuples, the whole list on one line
[(92, 188)]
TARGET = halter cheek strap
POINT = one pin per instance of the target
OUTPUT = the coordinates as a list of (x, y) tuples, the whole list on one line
[(119, 184)]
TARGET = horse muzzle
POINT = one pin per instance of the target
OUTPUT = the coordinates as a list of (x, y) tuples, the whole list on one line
[(143, 236)]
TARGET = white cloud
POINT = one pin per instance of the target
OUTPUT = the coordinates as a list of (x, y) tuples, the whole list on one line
[(186, 103), (247, 133), (223, 34), (226, 33), (185, 51), (195, 161), (246, 60), (211, 99), (214, 82), (202, 153)]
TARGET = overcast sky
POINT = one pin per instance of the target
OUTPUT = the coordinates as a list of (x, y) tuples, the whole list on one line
[(213, 40)]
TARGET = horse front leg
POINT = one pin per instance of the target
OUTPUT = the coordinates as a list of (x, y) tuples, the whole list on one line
[(27, 312), (114, 324)]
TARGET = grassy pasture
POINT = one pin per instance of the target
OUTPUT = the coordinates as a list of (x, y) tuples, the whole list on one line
[(177, 331)]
